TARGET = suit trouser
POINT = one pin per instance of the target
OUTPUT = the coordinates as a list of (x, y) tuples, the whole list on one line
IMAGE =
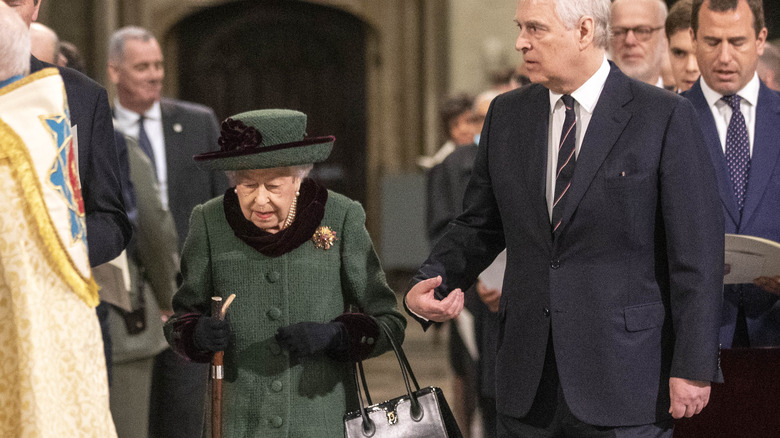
[(130, 397), (551, 417), (178, 397)]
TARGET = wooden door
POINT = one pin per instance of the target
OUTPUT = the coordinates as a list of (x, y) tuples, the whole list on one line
[(284, 54)]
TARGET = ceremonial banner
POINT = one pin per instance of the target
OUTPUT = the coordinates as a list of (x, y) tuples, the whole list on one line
[(52, 368)]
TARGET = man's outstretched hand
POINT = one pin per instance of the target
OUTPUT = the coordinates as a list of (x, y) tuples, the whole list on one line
[(422, 302)]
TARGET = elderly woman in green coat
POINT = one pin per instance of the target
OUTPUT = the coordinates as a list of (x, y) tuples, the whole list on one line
[(310, 291)]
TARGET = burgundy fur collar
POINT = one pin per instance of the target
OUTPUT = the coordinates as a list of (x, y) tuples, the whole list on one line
[(311, 210)]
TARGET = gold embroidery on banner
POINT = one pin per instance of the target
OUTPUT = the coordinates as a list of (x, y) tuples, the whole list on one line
[(37, 215), (40, 74)]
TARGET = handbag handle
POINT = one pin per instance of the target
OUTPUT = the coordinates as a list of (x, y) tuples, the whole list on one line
[(406, 371)]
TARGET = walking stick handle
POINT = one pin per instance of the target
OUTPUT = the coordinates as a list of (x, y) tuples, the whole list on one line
[(218, 311)]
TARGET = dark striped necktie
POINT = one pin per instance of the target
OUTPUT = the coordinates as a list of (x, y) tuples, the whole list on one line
[(566, 161)]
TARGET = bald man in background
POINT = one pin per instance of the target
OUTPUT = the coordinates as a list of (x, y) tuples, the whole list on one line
[(45, 44)]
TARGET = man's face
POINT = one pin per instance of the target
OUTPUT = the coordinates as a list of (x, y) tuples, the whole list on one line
[(727, 47), (27, 9), (138, 75), (546, 44), (685, 69), (638, 42)]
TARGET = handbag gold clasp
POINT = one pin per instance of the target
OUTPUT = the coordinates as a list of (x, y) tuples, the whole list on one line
[(392, 417)]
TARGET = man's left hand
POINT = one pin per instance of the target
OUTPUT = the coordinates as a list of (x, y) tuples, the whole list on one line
[(689, 397), (769, 284)]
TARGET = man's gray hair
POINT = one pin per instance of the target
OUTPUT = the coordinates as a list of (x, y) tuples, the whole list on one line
[(14, 44), (116, 45), (570, 11)]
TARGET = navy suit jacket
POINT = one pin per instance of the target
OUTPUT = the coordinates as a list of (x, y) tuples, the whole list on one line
[(630, 286), (108, 229), (760, 216)]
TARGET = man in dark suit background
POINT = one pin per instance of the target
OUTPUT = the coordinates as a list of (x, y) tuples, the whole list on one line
[(729, 36), (170, 132), (108, 228), (604, 197)]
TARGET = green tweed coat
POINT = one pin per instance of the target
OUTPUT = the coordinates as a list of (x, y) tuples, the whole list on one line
[(265, 393)]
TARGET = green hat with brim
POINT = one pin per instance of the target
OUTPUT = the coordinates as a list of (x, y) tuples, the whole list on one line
[(264, 139)]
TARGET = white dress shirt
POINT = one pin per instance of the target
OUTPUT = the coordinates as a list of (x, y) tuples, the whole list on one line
[(126, 121), (585, 99), (721, 111)]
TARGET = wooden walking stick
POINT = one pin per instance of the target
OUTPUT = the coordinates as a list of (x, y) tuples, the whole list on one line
[(218, 311)]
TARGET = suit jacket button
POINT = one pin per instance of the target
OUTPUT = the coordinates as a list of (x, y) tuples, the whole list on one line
[(546, 311), (555, 264), (273, 276), (275, 348), (276, 386), (276, 421)]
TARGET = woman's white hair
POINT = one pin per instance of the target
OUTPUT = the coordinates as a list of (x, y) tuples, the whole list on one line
[(570, 11), (14, 44), (299, 172)]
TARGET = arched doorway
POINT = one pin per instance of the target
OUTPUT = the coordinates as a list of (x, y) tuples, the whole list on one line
[(281, 54)]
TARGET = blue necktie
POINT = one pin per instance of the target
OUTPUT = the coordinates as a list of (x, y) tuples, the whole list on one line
[(566, 161), (737, 150), (144, 143)]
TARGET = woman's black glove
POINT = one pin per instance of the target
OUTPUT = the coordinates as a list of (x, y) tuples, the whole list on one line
[(211, 334), (309, 338)]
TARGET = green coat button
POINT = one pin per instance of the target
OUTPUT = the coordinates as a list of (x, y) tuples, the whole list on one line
[(276, 386), (276, 421), (275, 348), (273, 276), (274, 313)]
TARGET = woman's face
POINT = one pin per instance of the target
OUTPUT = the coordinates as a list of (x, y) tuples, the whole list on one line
[(265, 196)]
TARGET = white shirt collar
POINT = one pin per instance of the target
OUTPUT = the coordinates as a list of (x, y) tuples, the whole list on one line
[(122, 113), (588, 93), (749, 93)]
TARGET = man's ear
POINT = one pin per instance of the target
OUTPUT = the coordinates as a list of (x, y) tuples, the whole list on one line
[(113, 73), (585, 29), (37, 4)]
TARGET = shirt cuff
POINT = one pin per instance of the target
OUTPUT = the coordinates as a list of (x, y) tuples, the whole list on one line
[(414, 313)]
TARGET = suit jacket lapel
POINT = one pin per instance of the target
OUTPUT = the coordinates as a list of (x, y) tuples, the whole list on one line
[(765, 149), (538, 111), (715, 148), (607, 123)]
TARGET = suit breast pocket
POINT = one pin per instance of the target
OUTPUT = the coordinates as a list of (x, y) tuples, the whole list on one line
[(630, 204)]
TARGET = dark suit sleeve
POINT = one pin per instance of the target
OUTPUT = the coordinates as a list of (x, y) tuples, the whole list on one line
[(108, 228), (441, 201), (474, 239), (694, 230)]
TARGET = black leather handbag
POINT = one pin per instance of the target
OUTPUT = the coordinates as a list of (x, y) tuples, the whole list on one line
[(422, 413)]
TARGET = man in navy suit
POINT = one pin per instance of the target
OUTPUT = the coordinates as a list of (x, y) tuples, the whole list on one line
[(729, 36), (601, 190)]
